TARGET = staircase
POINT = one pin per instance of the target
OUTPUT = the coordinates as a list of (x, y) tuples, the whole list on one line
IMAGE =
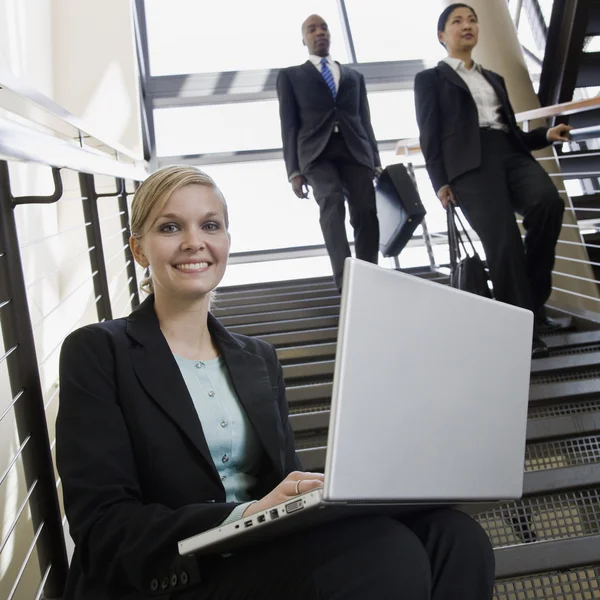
[(547, 544)]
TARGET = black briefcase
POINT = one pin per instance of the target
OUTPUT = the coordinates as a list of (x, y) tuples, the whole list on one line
[(399, 209), (466, 273)]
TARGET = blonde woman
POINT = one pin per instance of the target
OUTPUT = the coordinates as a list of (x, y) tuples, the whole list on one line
[(169, 425)]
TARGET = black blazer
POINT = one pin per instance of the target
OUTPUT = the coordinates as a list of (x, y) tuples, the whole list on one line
[(449, 124), (309, 113), (136, 470)]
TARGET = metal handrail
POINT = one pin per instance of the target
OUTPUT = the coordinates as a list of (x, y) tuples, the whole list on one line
[(32, 97)]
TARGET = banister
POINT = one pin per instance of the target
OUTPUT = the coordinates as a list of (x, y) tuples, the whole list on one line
[(559, 110), (30, 95), (411, 145)]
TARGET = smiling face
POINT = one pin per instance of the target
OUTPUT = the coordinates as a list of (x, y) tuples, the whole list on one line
[(185, 243), (315, 35), (461, 31)]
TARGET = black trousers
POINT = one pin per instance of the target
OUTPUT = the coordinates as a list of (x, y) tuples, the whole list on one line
[(334, 177), (441, 555), (510, 181)]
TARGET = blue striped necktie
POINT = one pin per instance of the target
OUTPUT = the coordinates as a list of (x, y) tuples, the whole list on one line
[(328, 76)]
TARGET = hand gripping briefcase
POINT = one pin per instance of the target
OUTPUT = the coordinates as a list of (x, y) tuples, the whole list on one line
[(399, 209)]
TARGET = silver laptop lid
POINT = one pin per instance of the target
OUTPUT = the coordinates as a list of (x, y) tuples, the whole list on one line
[(430, 392)]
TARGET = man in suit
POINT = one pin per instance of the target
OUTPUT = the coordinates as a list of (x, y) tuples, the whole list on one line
[(329, 144), (478, 158)]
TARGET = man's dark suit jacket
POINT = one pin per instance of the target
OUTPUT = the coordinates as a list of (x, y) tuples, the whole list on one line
[(449, 123), (309, 113), (136, 469)]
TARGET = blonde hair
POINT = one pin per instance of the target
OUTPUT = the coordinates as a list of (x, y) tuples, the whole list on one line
[(154, 193)]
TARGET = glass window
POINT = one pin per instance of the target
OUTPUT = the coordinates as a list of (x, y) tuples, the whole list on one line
[(592, 44), (384, 31), (255, 125), (217, 128), (546, 8), (393, 114), (192, 36), (527, 38), (264, 212)]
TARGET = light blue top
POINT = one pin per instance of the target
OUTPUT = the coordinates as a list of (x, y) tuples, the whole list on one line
[(232, 441)]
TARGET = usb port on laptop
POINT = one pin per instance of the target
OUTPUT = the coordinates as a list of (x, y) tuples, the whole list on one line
[(248, 523)]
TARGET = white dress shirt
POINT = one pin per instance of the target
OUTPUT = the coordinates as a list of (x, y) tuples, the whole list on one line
[(333, 66), (486, 99)]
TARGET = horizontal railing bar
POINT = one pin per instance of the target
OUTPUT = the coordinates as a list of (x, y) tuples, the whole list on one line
[(582, 208), (579, 226), (125, 289), (11, 595), (19, 513), (563, 109), (20, 142), (40, 591), (11, 404), (581, 175), (123, 268), (14, 459), (67, 297), (120, 252), (578, 260), (54, 394), (53, 235), (113, 216), (43, 362), (78, 255), (568, 155), (578, 294), (113, 236), (575, 277), (3, 358), (578, 244)]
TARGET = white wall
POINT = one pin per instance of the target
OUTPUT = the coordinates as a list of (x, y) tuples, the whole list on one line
[(95, 74)]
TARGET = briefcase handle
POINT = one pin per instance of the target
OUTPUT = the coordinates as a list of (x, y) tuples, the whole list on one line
[(455, 234)]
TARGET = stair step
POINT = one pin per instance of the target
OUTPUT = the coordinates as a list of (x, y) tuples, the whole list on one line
[(282, 295), (564, 362), (285, 326), (311, 370), (308, 352), (276, 288), (283, 315), (297, 338), (582, 583), (271, 306), (572, 339), (547, 556)]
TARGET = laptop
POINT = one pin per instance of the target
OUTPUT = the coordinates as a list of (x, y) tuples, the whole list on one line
[(429, 407)]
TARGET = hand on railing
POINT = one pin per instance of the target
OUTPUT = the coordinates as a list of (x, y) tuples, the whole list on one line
[(560, 133)]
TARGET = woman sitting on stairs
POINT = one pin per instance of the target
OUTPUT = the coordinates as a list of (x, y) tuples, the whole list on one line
[(169, 425)]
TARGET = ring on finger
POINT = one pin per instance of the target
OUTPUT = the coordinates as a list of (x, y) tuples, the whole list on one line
[(298, 487)]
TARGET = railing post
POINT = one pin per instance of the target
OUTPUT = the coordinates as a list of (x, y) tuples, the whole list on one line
[(131, 274), (426, 237), (94, 238), (26, 388)]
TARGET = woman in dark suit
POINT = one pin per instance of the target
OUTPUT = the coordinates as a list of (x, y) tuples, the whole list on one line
[(477, 156), (169, 425)]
